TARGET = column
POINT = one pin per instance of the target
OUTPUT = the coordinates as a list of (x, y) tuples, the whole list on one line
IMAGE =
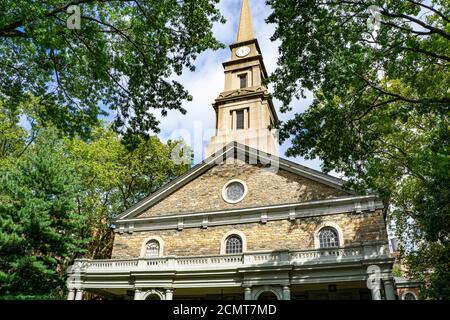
[(169, 294), (234, 121), (286, 293), (79, 294), (137, 294), (71, 294), (389, 289), (247, 293), (246, 122), (376, 292)]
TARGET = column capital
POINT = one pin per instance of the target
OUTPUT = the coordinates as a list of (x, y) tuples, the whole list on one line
[(169, 294), (247, 293), (286, 292), (79, 294), (71, 294)]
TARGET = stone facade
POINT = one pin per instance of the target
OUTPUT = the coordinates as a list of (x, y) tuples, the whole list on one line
[(402, 292), (264, 188), (274, 235)]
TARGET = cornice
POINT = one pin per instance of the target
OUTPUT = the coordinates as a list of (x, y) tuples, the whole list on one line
[(263, 214)]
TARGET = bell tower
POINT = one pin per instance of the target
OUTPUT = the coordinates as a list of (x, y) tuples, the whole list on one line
[(244, 110)]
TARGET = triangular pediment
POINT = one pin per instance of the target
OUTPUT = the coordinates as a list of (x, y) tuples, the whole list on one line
[(269, 180)]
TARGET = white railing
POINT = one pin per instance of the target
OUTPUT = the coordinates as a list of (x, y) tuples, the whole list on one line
[(248, 259)]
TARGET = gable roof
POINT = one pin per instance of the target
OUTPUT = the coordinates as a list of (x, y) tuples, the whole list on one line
[(231, 151)]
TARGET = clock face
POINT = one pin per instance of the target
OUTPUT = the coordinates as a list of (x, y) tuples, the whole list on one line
[(242, 51)]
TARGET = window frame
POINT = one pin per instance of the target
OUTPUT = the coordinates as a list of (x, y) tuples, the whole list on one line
[(235, 246), (144, 247), (227, 235), (243, 77), (240, 111), (224, 191), (333, 225), (324, 244), (409, 293)]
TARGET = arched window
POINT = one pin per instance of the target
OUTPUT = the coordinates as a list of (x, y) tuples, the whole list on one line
[(152, 249), (233, 244), (409, 296), (328, 237), (267, 295)]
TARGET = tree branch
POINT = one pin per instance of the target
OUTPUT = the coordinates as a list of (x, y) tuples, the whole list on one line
[(430, 8), (445, 100), (416, 21)]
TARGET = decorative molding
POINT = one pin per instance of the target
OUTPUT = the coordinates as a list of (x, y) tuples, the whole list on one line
[(224, 191), (180, 225), (290, 212), (259, 268), (160, 294), (276, 290), (331, 225), (205, 222), (409, 292), (230, 233), (229, 150), (242, 91), (371, 205), (156, 238), (264, 217), (358, 207)]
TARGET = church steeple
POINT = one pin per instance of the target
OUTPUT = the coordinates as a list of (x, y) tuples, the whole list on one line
[(245, 31), (244, 110)]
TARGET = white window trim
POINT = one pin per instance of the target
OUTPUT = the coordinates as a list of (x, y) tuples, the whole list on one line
[(330, 225), (406, 292), (153, 292), (161, 245), (224, 188), (223, 244), (278, 292)]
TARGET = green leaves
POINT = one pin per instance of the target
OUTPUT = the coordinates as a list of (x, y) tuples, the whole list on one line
[(380, 113), (57, 196), (37, 226), (122, 58)]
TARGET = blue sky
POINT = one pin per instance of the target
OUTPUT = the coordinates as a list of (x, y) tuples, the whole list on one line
[(207, 81)]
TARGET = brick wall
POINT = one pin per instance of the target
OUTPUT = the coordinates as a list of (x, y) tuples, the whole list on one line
[(264, 188), (274, 235)]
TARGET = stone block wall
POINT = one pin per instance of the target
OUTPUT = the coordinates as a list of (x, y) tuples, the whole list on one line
[(274, 235), (264, 188)]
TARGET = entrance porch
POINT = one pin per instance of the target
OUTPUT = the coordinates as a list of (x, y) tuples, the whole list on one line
[(352, 272)]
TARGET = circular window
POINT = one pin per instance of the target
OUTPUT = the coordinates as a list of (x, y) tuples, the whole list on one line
[(234, 191)]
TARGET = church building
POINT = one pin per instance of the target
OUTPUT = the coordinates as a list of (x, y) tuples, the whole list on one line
[(245, 224)]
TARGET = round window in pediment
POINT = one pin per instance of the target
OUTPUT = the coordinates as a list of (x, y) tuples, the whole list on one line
[(234, 191)]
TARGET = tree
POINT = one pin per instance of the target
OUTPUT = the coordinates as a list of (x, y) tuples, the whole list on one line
[(57, 197), (123, 58), (380, 110), (39, 228), (113, 178), (12, 136)]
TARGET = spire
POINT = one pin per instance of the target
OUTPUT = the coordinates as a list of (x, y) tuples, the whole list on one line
[(245, 31)]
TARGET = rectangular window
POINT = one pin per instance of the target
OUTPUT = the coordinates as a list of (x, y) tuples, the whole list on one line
[(243, 80), (240, 119)]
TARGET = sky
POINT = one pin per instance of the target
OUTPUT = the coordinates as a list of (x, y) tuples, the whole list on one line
[(207, 82)]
